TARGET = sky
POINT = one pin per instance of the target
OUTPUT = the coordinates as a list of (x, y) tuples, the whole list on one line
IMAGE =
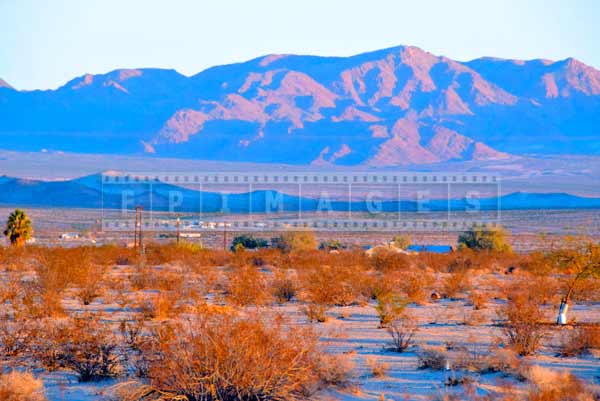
[(45, 43)]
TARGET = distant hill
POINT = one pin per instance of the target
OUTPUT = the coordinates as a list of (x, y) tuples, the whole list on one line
[(89, 192), (397, 106)]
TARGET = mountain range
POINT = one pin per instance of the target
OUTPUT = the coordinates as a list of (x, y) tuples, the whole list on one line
[(400, 106), (90, 192)]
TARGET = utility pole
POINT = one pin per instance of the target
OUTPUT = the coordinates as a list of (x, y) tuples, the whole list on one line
[(224, 236), (178, 230), (137, 236)]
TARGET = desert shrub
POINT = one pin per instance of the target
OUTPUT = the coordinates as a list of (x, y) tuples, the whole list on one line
[(146, 277), (205, 281), (402, 331), (386, 260), (90, 350), (432, 358), (284, 287), (382, 283), (295, 241), (378, 368), (88, 293), (468, 356), (17, 386), (208, 258), (189, 248), (332, 245), (35, 301), (143, 277), (58, 268), (455, 283), (160, 254), (10, 288), (401, 241), (118, 290), (477, 299), (315, 312), (536, 263), (247, 286), (472, 317), (462, 261), (541, 288), (484, 238), (579, 340), (436, 261), (336, 370), (226, 358), (270, 256), (389, 307), (334, 285), (138, 345), (549, 385), (16, 337), (249, 242), (159, 305), (462, 380), (522, 328), (505, 361), (109, 255), (415, 284), (586, 290), (17, 258), (260, 257), (44, 349), (132, 333), (89, 283)]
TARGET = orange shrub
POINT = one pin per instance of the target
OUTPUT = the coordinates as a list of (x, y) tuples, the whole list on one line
[(246, 286), (162, 305), (59, 268), (335, 285), (548, 385), (416, 284), (225, 358), (90, 348), (16, 386), (386, 260), (522, 328), (284, 287), (16, 337), (110, 255), (17, 258), (542, 289), (456, 282), (580, 340), (477, 299)]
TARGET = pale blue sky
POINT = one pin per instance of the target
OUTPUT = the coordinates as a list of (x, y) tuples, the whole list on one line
[(44, 43)]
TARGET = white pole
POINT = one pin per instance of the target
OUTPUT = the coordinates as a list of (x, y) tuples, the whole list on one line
[(562, 313)]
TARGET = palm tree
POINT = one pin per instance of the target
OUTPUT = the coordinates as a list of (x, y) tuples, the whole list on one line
[(18, 227)]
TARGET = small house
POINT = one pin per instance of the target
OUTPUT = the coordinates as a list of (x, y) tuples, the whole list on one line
[(430, 248), (69, 236)]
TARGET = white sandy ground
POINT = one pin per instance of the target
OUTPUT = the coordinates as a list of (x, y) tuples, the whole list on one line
[(353, 330)]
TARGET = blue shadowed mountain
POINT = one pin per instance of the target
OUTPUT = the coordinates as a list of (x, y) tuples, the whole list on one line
[(90, 192)]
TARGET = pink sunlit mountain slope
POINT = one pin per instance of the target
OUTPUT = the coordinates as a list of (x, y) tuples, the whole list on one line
[(397, 106)]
